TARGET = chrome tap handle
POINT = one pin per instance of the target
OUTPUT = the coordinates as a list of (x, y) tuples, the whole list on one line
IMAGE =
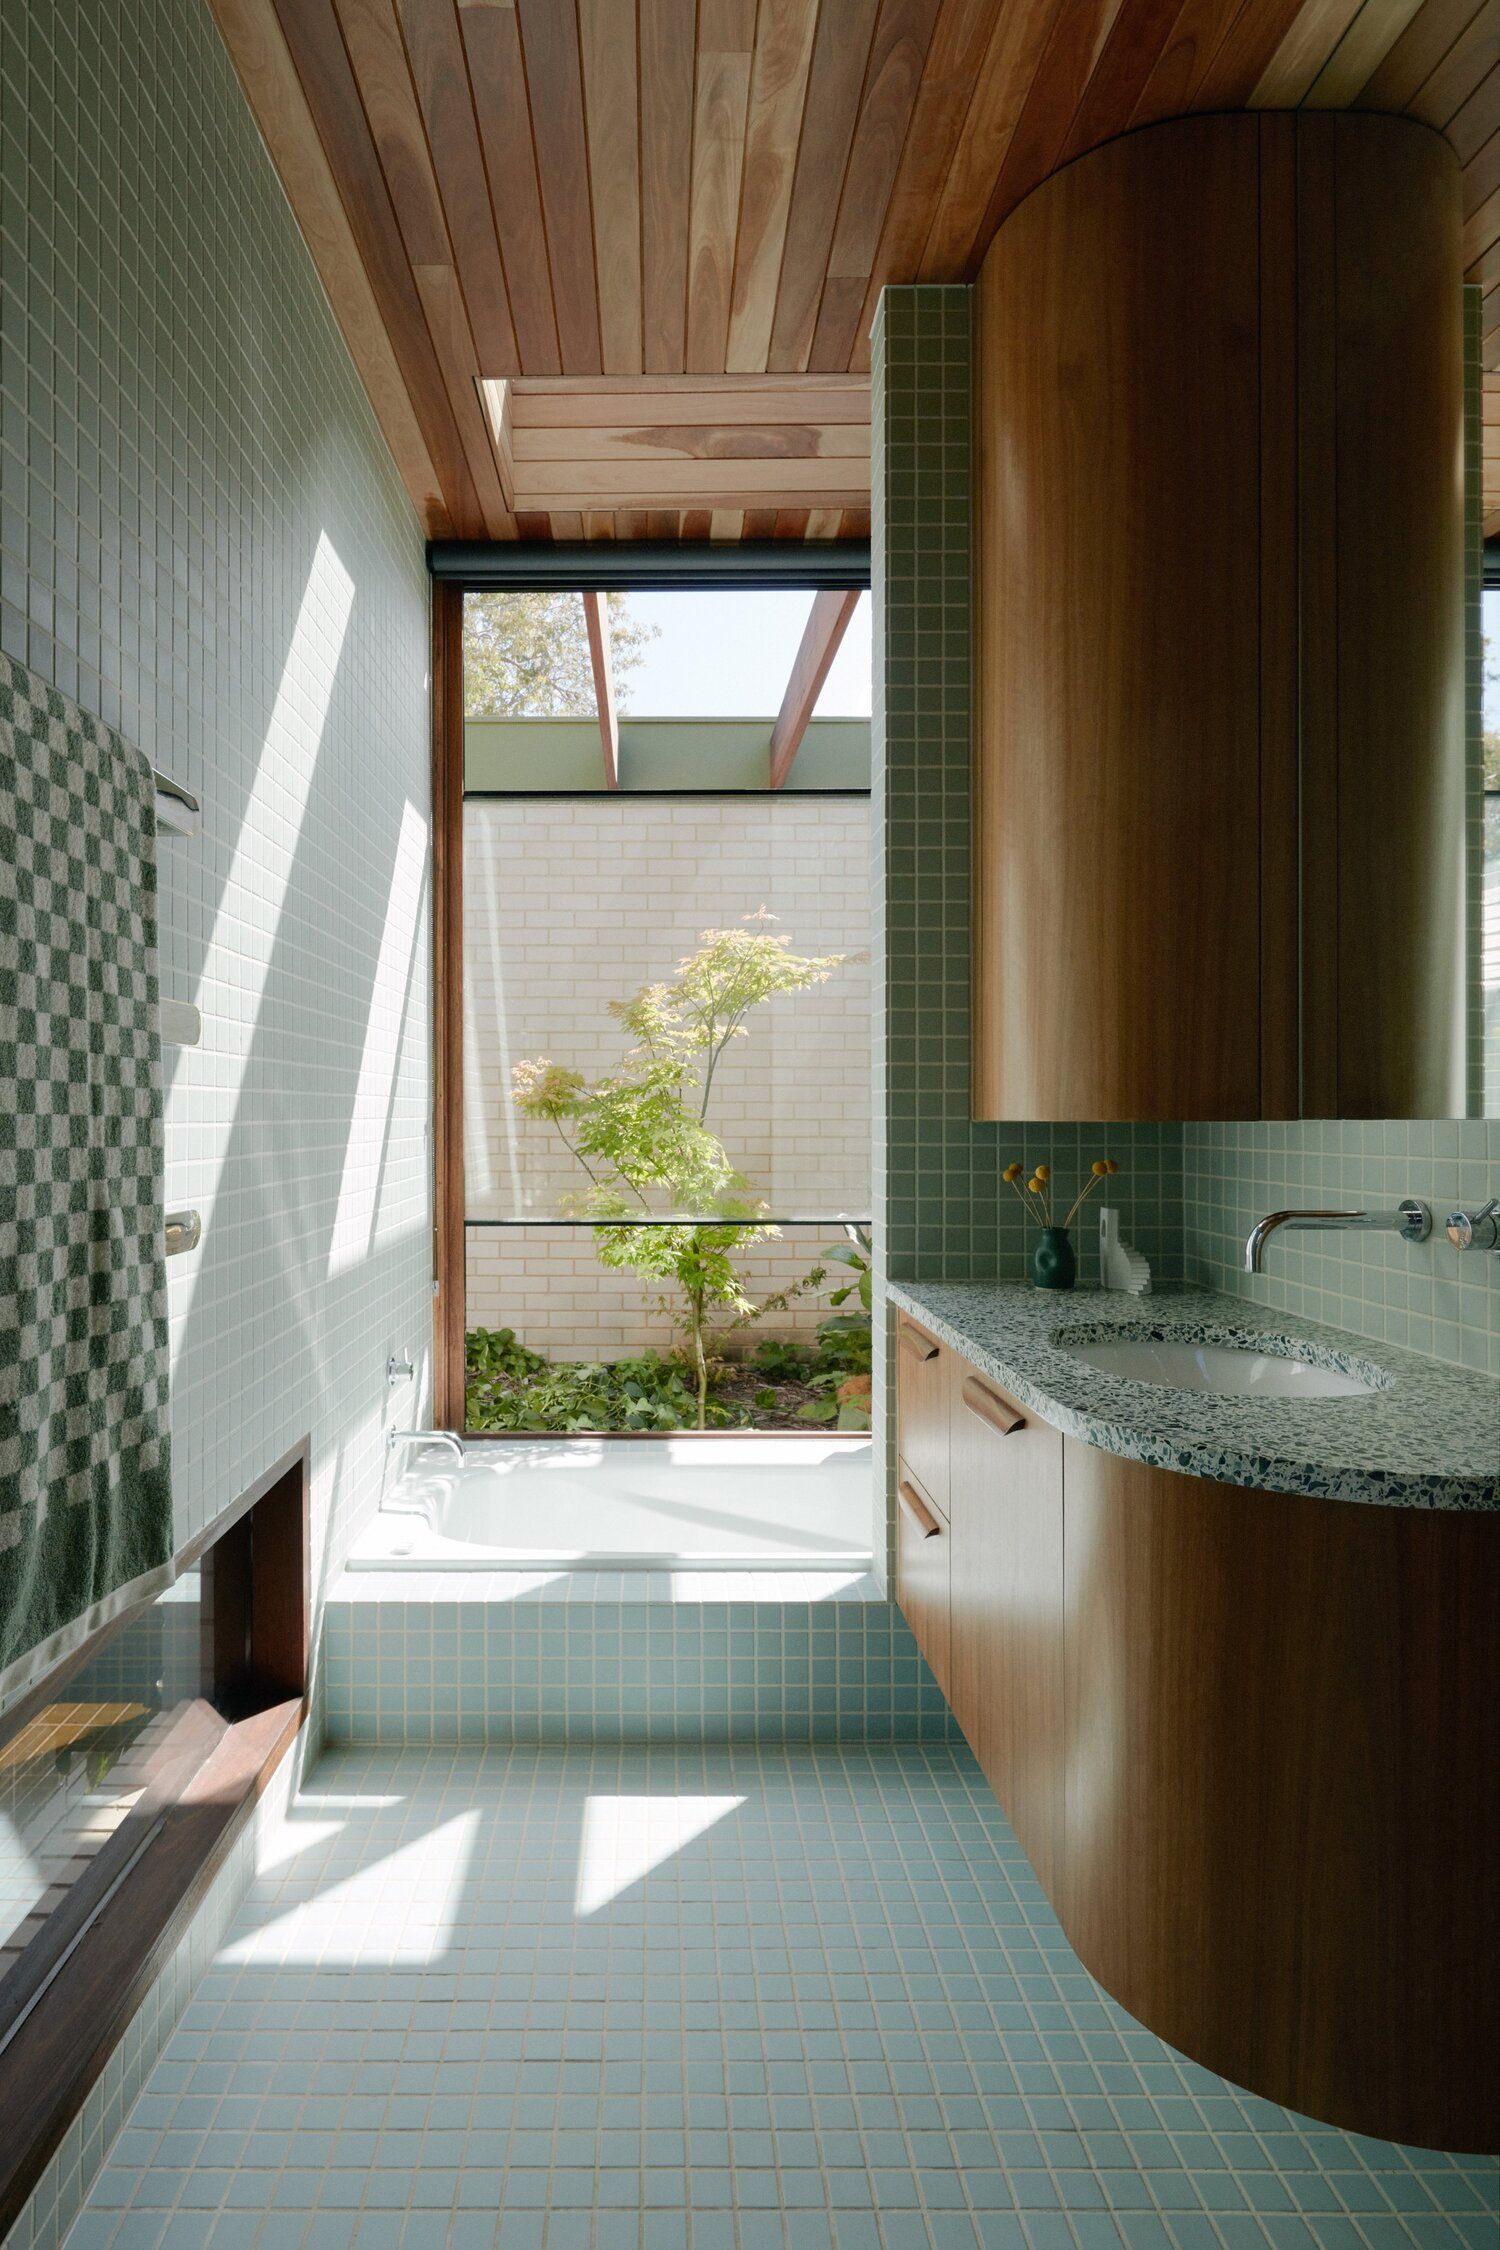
[(1475, 1230)]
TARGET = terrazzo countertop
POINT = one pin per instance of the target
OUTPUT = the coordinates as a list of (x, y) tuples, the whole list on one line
[(1428, 1437)]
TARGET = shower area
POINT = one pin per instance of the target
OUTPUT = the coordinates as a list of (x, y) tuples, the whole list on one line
[(661, 1068)]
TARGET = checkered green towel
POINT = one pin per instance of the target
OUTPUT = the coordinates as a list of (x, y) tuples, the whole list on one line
[(85, 1471)]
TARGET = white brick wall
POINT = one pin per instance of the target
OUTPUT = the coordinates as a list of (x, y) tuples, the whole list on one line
[(572, 903), (546, 1283)]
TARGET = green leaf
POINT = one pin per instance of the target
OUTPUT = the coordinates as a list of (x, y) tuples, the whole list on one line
[(818, 1410)]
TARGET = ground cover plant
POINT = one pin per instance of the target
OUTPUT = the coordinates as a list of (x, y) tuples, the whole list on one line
[(779, 1383)]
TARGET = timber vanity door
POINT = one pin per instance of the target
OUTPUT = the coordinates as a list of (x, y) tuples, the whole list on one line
[(1005, 1652)]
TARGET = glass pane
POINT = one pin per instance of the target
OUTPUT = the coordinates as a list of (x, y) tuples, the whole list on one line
[(73, 1772), (574, 906)]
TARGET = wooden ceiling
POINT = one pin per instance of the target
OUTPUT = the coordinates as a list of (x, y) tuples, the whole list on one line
[(693, 196)]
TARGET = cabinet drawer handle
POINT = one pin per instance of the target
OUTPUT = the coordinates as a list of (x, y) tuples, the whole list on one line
[(917, 1508), (920, 1347), (997, 1412)]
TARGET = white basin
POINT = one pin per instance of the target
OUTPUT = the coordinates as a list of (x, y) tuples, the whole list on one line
[(1228, 1370)]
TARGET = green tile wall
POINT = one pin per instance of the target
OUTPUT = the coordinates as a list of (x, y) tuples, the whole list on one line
[(1421, 1295)]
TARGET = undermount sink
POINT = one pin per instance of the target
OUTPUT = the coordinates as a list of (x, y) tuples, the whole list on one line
[(1228, 1370)]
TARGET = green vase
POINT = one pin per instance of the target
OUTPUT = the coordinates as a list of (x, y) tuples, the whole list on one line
[(1053, 1265)]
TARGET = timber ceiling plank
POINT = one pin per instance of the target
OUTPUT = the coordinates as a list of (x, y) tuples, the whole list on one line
[(1182, 67), (1416, 53), (711, 194), (1364, 46), (1316, 31), (1481, 177), (963, 31), (258, 49), (440, 75), (317, 48), (554, 79), (726, 40), (1242, 57), (666, 69), (778, 94), (1080, 33), (898, 54), (377, 55), (1470, 127), (612, 115), (1473, 54), (835, 82), (999, 93), (492, 47), (448, 324), (1137, 39)]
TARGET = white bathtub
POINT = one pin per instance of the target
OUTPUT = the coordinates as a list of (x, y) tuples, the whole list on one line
[(707, 1503)]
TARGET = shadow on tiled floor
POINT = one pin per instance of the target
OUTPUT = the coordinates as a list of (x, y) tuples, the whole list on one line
[(702, 1999)]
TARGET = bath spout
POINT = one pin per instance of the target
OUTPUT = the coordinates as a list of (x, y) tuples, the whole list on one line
[(393, 1438)]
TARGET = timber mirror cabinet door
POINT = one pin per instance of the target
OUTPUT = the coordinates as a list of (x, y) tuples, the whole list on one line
[(1221, 799), (1246, 1740)]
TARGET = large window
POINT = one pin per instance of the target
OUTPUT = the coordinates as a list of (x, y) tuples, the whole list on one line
[(666, 1007)]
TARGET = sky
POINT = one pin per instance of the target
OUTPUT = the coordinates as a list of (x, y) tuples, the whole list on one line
[(730, 655)]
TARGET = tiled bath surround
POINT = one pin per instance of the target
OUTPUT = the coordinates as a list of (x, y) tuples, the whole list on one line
[(612, 1656)]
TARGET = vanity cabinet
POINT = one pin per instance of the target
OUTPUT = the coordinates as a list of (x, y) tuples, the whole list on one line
[(1219, 809), (1246, 1740)]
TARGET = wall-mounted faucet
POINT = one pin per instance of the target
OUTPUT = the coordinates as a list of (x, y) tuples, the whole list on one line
[(393, 1438), (1410, 1219)]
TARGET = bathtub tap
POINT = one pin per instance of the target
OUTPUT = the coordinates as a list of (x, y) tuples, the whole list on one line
[(393, 1438)]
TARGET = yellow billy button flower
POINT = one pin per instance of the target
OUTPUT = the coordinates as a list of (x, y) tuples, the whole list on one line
[(1011, 1172), (1044, 1172), (1099, 1168)]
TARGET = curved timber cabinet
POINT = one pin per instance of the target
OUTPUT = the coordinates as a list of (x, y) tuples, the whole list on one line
[(1247, 1740), (1281, 1815), (1219, 817)]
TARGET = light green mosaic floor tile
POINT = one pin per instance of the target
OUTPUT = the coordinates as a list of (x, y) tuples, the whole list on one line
[(702, 1999)]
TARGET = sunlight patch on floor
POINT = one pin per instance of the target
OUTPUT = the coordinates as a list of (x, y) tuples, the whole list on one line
[(626, 1838)]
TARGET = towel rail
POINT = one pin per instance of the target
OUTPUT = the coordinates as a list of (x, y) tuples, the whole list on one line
[(184, 1232), (178, 811)]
